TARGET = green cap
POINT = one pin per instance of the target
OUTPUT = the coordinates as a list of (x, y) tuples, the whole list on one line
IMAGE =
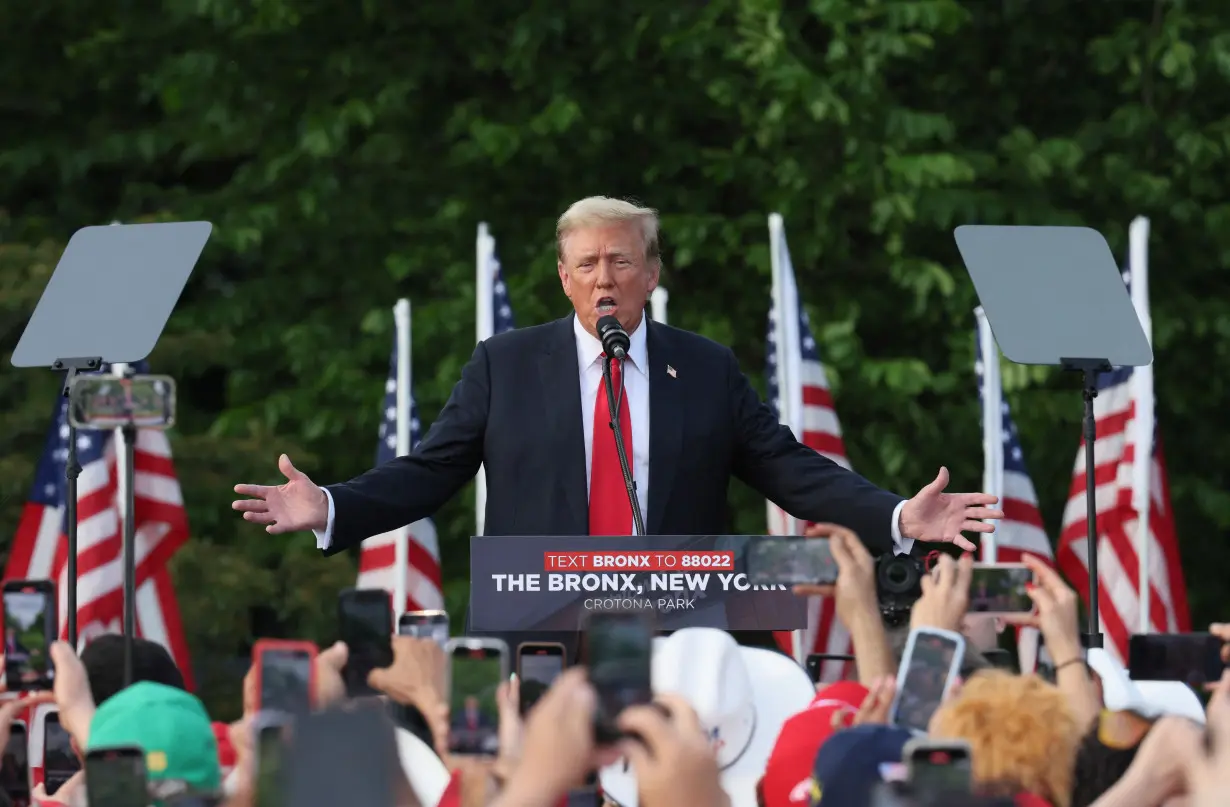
[(170, 725)]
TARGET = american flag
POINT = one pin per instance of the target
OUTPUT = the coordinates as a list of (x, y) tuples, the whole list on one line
[(1118, 563), (1020, 530), (816, 426), (378, 557), (501, 307), (40, 548)]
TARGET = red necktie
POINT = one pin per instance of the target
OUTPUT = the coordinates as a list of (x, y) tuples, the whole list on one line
[(609, 510)]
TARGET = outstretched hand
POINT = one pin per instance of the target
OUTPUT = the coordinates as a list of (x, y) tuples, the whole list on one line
[(298, 504), (936, 517)]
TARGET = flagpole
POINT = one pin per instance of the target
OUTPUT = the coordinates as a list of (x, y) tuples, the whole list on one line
[(657, 301), (401, 556), (484, 325), (1142, 423), (992, 425), (777, 231)]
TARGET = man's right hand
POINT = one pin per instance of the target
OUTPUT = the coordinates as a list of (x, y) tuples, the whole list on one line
[(299, 504)]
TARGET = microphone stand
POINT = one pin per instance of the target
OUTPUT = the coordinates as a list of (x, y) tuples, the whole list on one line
[(638, 521)]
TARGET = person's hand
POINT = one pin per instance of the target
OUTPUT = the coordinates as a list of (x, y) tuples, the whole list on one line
[(945, 595), (1222, 631), (558, 749), (855, 592), (671, 755), (1208, 768), (875, 707), (1056, 616), (1159, 771), (10, 710), (936, 517), (67, 793), (508, 701), (418, 675), (72, 693), (298, 504)]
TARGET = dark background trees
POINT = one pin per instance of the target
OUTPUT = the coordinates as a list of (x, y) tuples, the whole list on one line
[(346, 151)]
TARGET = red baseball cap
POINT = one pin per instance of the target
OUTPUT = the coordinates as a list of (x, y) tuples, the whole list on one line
[(787, 775)]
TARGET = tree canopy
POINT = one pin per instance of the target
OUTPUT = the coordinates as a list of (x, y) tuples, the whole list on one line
[(347, 151)]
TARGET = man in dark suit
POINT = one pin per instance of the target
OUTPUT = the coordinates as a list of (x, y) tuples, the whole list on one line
[(529, 408)]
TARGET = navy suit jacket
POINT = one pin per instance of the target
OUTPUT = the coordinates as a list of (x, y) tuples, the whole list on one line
[(517, 411)]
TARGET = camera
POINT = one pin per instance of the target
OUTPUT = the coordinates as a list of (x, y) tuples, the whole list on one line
[(898, 586)]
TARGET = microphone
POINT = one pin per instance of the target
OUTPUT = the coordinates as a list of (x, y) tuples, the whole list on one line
[(615, 340)]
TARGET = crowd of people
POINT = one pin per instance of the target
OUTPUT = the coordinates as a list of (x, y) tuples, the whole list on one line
[(729, 725)]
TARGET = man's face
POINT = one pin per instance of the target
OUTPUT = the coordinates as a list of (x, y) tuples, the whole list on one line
[(604, 271)]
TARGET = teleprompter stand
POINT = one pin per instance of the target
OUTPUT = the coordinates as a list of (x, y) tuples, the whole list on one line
[(108, 300), (1054, 296)]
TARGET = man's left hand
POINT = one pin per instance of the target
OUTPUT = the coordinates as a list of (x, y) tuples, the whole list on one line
[(936, 517)]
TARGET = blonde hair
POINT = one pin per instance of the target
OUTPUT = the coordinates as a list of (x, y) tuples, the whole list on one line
[(1021, 732), (600, 211)]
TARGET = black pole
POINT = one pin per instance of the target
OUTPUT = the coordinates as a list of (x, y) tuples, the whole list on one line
[(613, 405), (72, 470), (130, 550), (1093, 637)]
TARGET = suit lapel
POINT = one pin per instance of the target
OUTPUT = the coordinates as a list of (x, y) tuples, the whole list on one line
[(561, 385), (665, 423)]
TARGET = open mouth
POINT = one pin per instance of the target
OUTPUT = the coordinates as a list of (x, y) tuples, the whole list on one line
[(607, 305)]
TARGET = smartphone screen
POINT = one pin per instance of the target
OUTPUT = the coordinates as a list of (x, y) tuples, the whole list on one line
[(270, 790), (619, 648), (1192, 658), (30, 626), (286, 677), (941, 769), (1000, 589), (538, 665), (59, 760), (15, 765), (791, 562), (365, 622), (424, 625), (927, 668), (476, 674), (115, 777)]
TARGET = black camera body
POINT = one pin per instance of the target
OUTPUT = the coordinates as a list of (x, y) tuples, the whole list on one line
[(898, 586)]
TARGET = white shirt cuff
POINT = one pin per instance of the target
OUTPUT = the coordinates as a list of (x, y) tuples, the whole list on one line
[(901, 546), (325, 539)]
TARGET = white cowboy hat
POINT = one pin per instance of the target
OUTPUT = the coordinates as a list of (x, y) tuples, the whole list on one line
[(742, 696), (427, 774), (1149, 699)]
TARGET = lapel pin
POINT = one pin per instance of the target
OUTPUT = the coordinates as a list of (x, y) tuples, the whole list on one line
[(670, 371)]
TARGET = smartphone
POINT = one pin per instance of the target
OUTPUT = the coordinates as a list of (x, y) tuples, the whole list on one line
[(538, 665), (619, 653), (424, 625), (477, 667), (1000, 588), (1193, 658), (270, 731), (60, 762), (938, 766), (815, 663), (30, 626), (929, 668), (285, 675), (116, 777), (365, 622), (15, 765), (791, 561)]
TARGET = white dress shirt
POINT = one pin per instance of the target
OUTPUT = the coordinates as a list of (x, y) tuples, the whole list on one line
[(636, 390)]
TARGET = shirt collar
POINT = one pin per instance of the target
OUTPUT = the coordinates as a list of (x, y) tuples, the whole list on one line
[(589, 349)]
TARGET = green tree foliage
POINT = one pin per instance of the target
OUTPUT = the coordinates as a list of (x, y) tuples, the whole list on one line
[(346, 151)]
